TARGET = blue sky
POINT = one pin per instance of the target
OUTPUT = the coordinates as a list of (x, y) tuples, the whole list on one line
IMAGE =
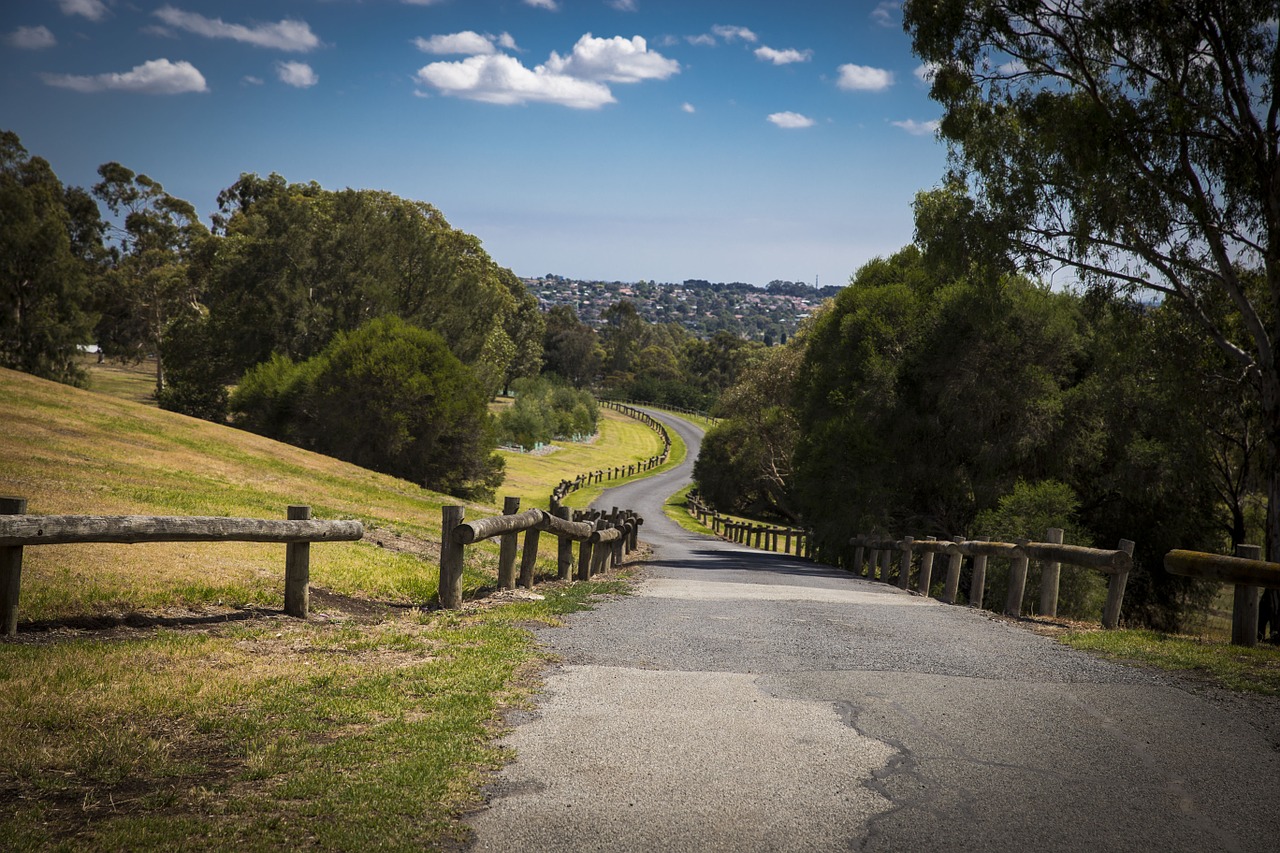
[(609, 139)]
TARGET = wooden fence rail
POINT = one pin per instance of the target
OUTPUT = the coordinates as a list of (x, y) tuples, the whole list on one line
[(19, 530), (878, 552), (763, 536), (681, 410), (1246, 571), (602, 539), (618, 472)]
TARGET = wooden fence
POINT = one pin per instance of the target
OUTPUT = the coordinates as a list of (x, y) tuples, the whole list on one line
[(602, 539), (1246, 571), (876, 553), (763, 536), (19, 530), (681, 410), (618, 472)]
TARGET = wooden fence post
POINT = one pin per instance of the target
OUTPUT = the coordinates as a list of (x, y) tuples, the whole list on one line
[(564, 549), (529, 557), (904, 570), (600, 555), (10, 571), (507, 548), (925, 580), (297, 569), (584, 560), (1115, 591), (1017, 584), (978, 581), (1050, 576), (873, 563), (1244, 607), (953, 574), (886, 560), (450, 589), (858, 563)]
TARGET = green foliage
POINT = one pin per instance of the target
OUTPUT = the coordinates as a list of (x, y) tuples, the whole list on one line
[(544, 411), (48, 239), (388, 396), (297, 264), (1027, 513), (571, 348)]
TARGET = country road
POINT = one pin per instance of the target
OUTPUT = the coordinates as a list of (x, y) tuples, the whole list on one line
[(741, 701)]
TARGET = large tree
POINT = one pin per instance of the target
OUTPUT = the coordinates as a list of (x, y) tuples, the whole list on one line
[(1136, 144), (50, 238)]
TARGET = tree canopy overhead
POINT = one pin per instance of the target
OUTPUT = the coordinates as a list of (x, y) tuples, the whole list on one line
[(1135, 143)]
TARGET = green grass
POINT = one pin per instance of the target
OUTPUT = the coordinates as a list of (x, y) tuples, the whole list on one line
[(265, 736), (1254, 670), (621, 441), (677, 510), (583, 497)]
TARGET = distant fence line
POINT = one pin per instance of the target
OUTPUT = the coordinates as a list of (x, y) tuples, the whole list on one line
[(618, 472), (697, 413), (603, 539), (18, 530), (762, 536)]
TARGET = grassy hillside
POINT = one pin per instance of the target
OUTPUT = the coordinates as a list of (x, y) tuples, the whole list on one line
[(155, 697)]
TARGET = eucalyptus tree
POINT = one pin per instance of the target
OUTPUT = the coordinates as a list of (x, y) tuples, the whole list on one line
[(1137, 145), (149, 286), (50, 242)]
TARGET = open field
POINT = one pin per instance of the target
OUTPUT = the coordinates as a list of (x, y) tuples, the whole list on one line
[(157, 700)]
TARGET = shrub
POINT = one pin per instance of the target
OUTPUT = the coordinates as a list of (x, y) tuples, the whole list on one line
[(544, 411)]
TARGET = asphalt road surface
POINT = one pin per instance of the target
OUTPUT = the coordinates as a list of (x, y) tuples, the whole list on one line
[(741, 701)]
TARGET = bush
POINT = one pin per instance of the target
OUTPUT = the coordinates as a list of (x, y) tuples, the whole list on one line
[(544, 411), (1027, 513), (388, 396)]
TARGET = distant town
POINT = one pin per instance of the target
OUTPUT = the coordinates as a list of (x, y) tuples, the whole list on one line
[(770, 314)]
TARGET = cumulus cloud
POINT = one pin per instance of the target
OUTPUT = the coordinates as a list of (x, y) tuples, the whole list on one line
[(617, 60), (790, 120), (156, 77), (465, 43), (688, 107), (297, 74), (703, 40), (549, 5), (782, 57), (729, 32), (30, 38), (507, 41), (925, 72), (623, 5), (290, 35), (864, 78), (917, 128), (502, 79), (887, 13), (250, 80), (94, 10)]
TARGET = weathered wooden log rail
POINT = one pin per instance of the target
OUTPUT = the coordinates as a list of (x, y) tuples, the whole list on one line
[(680, 410), (763, 536), (19, 530), (618, 472), (1246, 571), (603, 539), (876, 554)]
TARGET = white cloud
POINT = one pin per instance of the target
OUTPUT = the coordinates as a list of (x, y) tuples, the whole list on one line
[(886, 14), (549, 5), (297, 74), (618, 60), (688, 107), (422, 2), (155, 77), (502, 79), (1011, 69), (925, 72), (704, 40), (782, 57), (30, 38), (729, 32), (507, 41), (864, 78), (791, 120), (623, 5), (287, 35), (250, 80), (94, 10), (917, 128), (465, 43)]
